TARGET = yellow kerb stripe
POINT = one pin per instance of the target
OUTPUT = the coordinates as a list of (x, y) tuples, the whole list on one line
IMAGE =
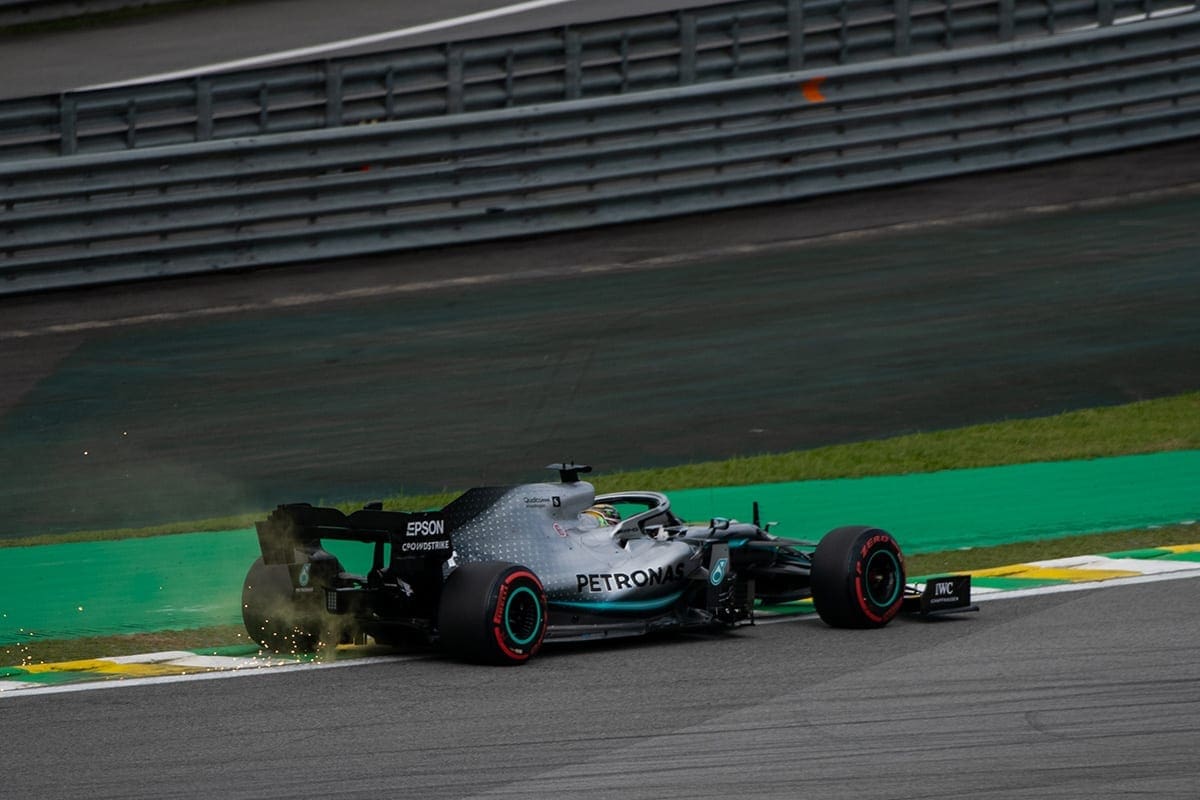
[(1054, 573), (99, 666)]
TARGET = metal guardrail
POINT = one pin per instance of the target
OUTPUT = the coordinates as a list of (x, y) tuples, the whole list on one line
[(657, 51), (409, 184)]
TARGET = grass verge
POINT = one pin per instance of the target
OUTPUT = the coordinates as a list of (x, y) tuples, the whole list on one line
[(49, 651), (1149, 426), (1023, 552)]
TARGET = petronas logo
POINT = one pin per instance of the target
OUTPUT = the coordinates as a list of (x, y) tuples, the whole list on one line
[(717, 574)]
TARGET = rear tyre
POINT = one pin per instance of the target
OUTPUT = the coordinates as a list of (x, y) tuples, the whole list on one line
[(275, 616), (492, 613), (858, 578)]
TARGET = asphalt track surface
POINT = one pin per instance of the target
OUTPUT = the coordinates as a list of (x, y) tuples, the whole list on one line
[(58, 60), (1094, 694)]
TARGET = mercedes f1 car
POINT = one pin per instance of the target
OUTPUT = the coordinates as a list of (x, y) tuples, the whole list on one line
[(500, 571)]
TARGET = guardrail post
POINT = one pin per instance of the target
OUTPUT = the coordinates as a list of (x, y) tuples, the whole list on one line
[(333, 93), (843, 18), (572, 64), (735, 45), (131, 123), (68, 141), (687, 48), (263, 114), (1007, 20), (204, 110), (903, 33), (510, 67), (1105, 13), (389, 93), (454, 79), (624, 61), (795, 26)]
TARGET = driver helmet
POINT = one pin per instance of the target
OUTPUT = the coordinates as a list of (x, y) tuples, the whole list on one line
[(604, 514)]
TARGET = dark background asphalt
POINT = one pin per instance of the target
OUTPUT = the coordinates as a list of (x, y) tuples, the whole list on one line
[(696, 338), (58, 60), (759, 330)]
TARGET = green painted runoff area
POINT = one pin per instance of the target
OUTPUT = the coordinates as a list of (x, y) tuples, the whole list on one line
[(938, 511), (194, 580)]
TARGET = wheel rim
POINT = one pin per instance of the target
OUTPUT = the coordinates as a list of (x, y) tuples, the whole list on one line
[(882, 578), (522, 616)]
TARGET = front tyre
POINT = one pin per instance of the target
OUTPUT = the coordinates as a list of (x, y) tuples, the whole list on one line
[(492, 613), (858, 577)]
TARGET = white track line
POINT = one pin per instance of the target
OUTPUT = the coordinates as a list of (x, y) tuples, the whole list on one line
[(25, 689), (331, 47), (1013, 594)]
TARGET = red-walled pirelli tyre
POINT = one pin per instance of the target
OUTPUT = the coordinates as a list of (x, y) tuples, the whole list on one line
[(858, 577), (492, 613)]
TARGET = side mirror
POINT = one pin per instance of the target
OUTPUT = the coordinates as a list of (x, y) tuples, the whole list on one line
[(719, 524)]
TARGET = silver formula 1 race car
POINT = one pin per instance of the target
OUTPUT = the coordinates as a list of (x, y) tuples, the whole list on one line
[(502, 570)]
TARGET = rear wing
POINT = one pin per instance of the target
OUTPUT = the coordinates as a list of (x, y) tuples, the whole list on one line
[(300, 526)]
